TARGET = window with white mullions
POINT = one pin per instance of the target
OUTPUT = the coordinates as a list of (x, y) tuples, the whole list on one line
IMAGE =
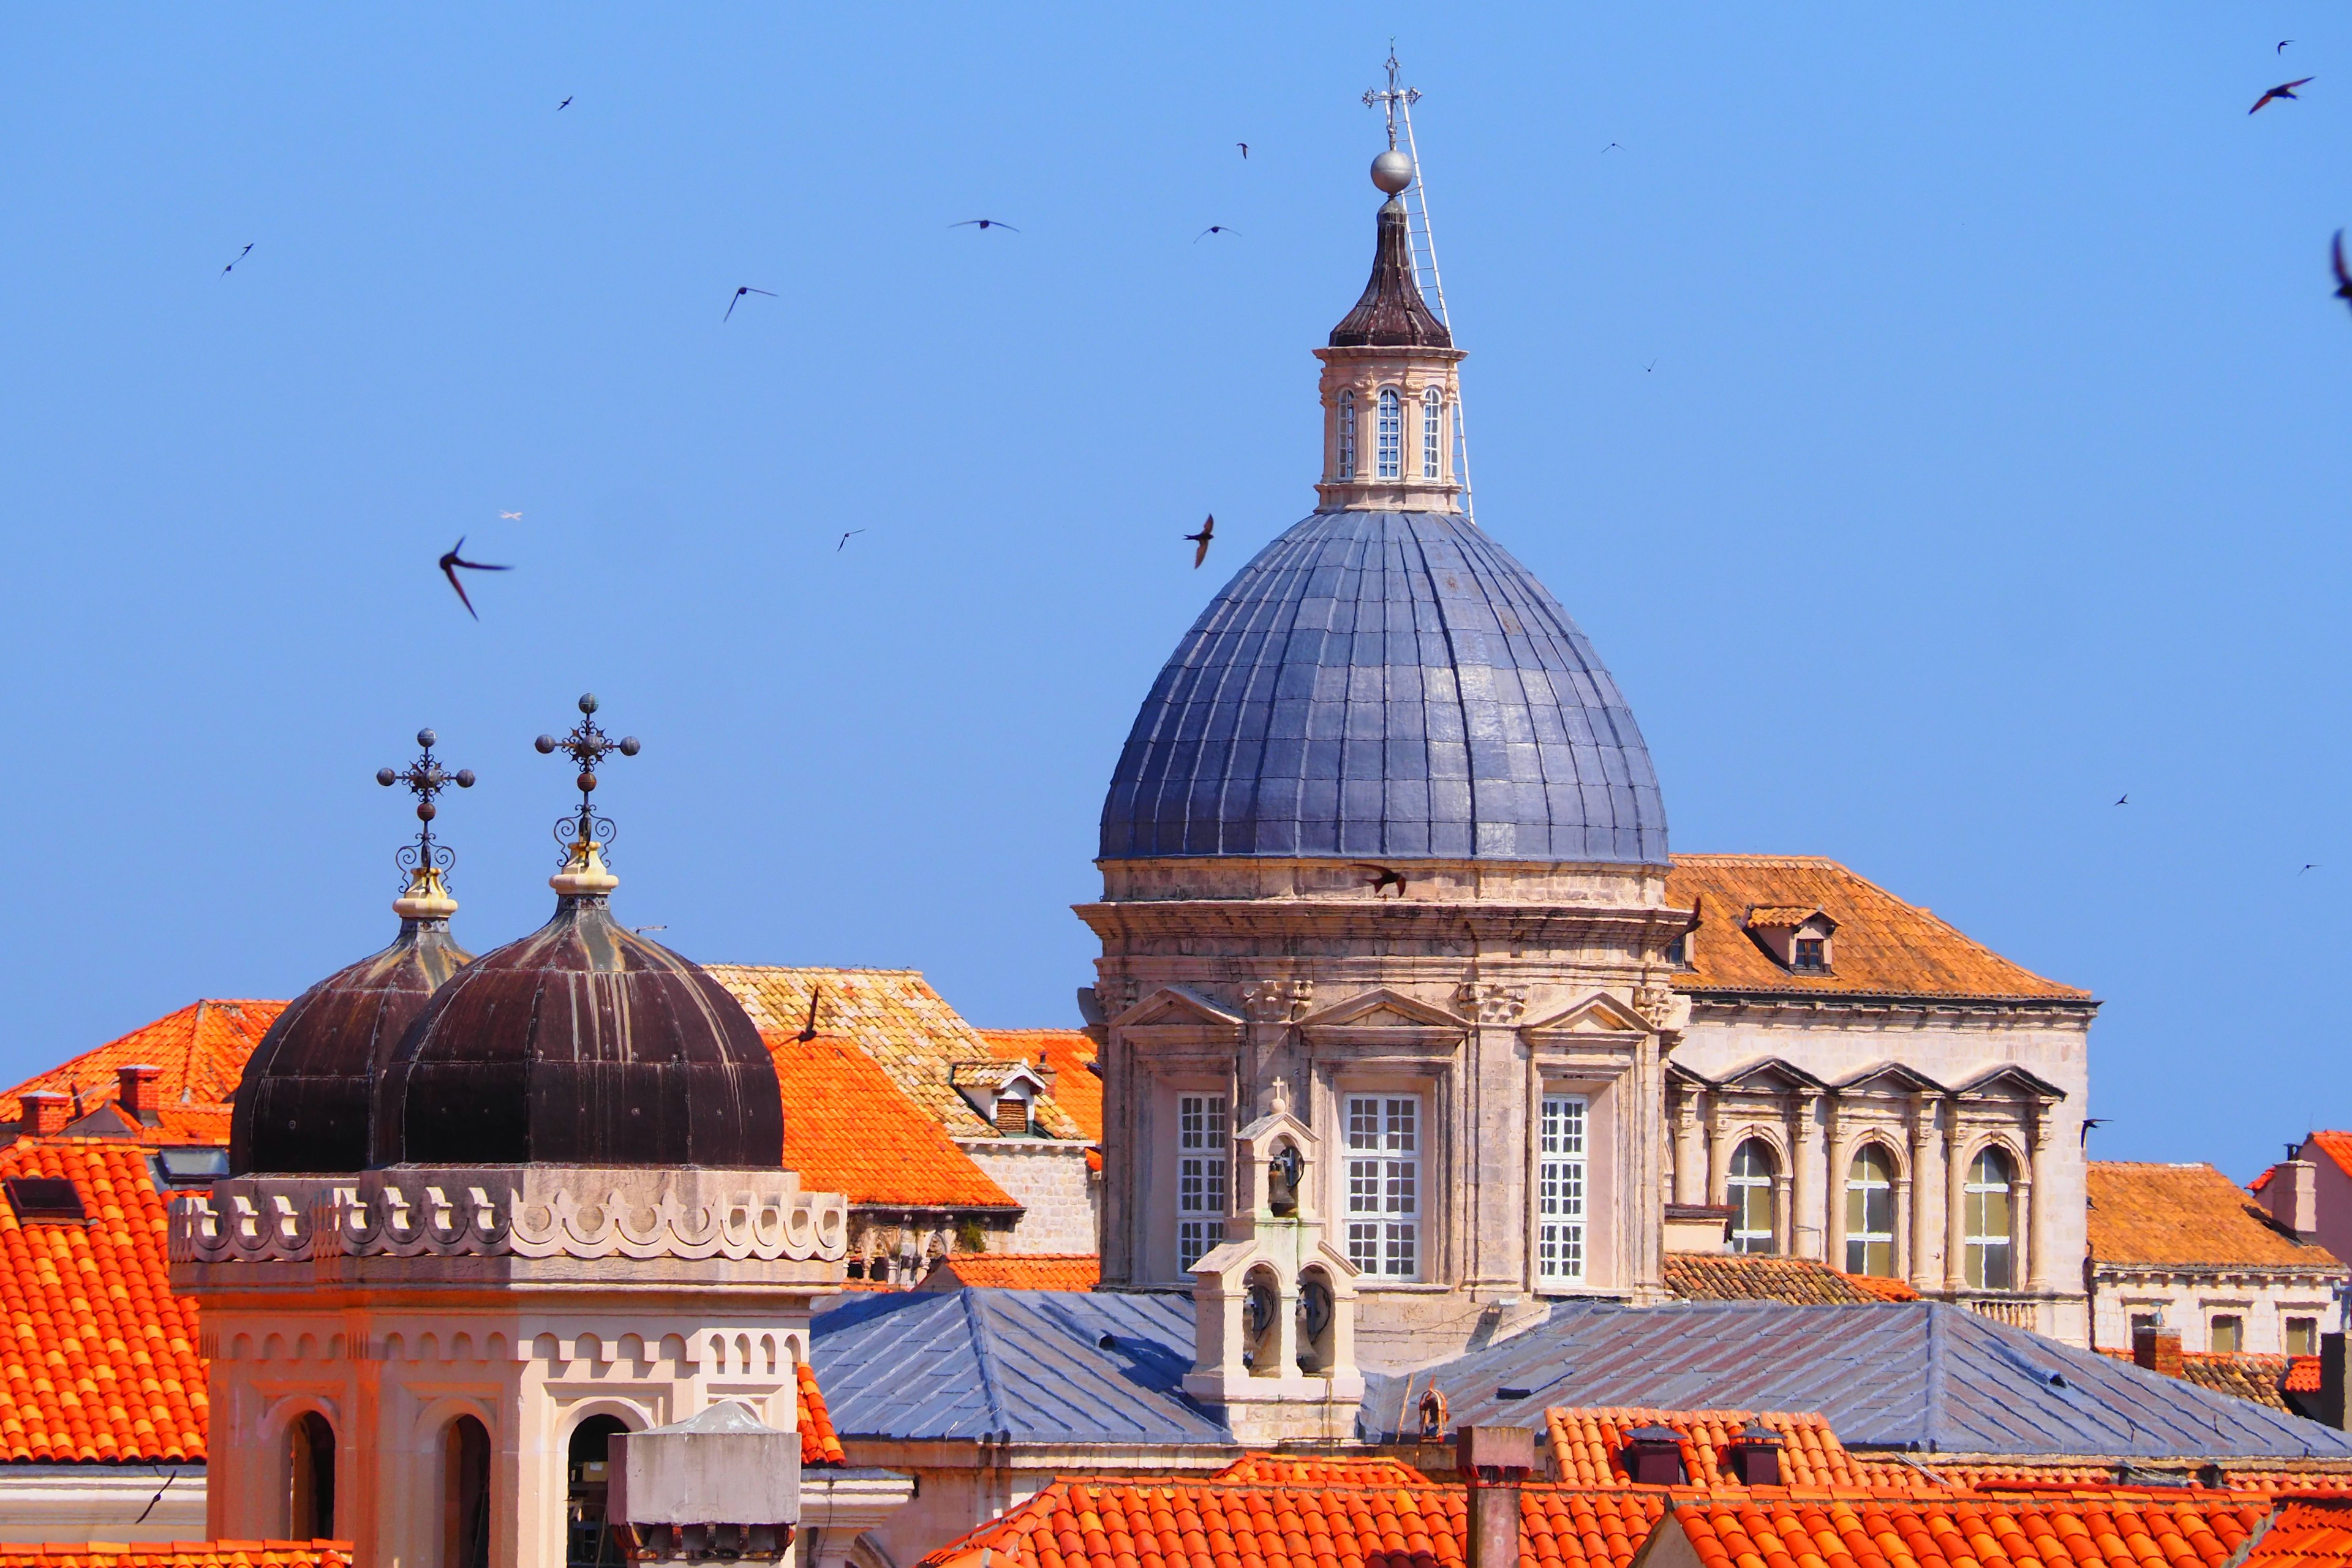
[(1870, 1213), (1432, 421), (1560, 1191), (1347, 435), (1391, 435), (1200, 1167), (1988, 1233), (1748, 1188), (1384, 1185)]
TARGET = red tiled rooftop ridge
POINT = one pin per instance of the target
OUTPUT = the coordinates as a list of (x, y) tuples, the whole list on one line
[(850, 1129), (200, 1051), (1801, 1281), (2306, 1532), (820, 1444), (1071, 1055), (2152, 1216), (1017, 1271)]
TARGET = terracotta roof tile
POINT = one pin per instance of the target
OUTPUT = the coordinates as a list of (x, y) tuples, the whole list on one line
[(820, 1444), (1302, 1471), (1803, 1282), (201, 1050), (849, 1129), (1884, 946), (2307, 1532), (1071, 1055), (895, 1017), (2145, 1215), (1588, 1450), (2301, 1374), (180, 1554), (2243, 1375), (98, 1359), (2336, 1146), (2116, 1530), (1017, 1271)]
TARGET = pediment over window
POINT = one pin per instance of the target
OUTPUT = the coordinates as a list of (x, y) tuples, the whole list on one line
[(1178, 1007), (1381, 1008), (2010, 1081), (1890, 1078), (1770, 1075), (1598, 1014)]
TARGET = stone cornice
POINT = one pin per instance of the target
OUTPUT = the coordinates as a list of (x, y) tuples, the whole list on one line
[(2317, 1274), (1392, 920), (1710, 1001)]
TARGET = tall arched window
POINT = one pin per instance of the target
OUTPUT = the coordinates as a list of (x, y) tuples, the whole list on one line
[(1749, 1189), (466, 1494), (1391, 435), (1870, 1213), (1433, 422), (1347, 435), (311, 1486), (588, 1474), (1989, 1232)]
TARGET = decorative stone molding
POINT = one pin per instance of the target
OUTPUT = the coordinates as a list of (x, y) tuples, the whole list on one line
[(588, 1213), (1492, 1004), (1277, 1001), (1662, 1007)]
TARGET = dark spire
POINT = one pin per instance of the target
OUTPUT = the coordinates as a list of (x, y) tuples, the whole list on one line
[(1392, 313)]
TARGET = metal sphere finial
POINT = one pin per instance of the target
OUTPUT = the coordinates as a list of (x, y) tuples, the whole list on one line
[(587, 702), (422, 862), (1392, 172), (427, 739)]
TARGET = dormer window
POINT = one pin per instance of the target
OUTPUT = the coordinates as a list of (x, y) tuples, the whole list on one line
[(1677, 951), (1802, 938), (1812, 955), (1391, 435)]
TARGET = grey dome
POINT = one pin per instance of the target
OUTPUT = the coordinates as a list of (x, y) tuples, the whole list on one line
[(1391, 685)]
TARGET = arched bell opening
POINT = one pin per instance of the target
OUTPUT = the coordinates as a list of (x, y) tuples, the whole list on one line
[(587, 1473), (1262, 1323), (311, 1477), (1286, 1178), (466, 1494), (1318, 1316)]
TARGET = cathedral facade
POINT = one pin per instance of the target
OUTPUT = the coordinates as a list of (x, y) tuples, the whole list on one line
[(1385, 851)]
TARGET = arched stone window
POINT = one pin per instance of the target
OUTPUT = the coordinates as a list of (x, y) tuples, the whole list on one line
[(1870, 1213), (311, 1477), (466, 1494), (1391, 435), (1991, 1229), (1433, 423), (1748, 1188), (1347, 435), (587, 1476)]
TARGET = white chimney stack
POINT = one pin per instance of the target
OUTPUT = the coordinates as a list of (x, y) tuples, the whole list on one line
[(2291, 1195)]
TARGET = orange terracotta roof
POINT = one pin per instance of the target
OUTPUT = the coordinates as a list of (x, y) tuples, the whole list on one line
[(895, 1017), (2149, 1216), (1773, 917), (820, 1444), (97, 1358), (181, 1554), (2118, 1530), (2336, 1146), (1071, 1055), (2307, 1532), (1804, 1282), (1191, 1523), (1884, 946), (201, 1050), (2243, 1375), (1016, 1271), (1298, 1470), (849, 1129), (2301, 1374), (1588, 1450)]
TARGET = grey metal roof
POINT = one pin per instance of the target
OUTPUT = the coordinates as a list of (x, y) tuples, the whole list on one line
[(1024, 1366), (1918, 1376), (1388, 684)]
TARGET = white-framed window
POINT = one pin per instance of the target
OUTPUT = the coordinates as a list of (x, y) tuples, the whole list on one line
[(1870, 1213), (1432, 424), (1201, 1166), (1384, 1185), (1347, 435), (1748, 1188), (2301, 1336), (1560, 1191), (1990, 1229), (1391, 435)]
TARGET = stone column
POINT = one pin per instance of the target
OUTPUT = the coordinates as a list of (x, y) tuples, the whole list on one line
[(1718, 1156), (1690, 1149), (1923, 1188), (1784, 1210), (1833, 1243), (1805, 1241), (2037, 1269), (1956, 1175), (1493, 1139)]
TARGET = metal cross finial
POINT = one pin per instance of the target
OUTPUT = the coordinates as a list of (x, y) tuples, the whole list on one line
[(1392, 97), (588, 745), (424, 779)]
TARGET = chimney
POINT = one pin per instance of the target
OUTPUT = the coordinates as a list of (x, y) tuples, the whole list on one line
[(135, 1092), (1755, 1456), (42, 1114), (2291, 1195), (1494, 1460), (2332, 1369), (1654, 1457), (2157, 1349)]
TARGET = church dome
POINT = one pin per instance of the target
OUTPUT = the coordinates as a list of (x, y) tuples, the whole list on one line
[(1384, 680)]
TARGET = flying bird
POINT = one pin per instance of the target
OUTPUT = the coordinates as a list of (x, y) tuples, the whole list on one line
[(2284, 89), (747, 288), (984, 223), (2282, 43), (808, 1030), (1212, 228), (1207, 530), (565, 104), (510, 517), (1244, 147), (241, 256), (2343, 277), (2089, 1122), (2123, 800), (2311, 867), (1649, 367), (1614, 147), (1382, 876), (844, 541), (449, 564)]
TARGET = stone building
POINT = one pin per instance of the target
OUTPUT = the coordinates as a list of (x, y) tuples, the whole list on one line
[(2184, 1249), (1385, 838)]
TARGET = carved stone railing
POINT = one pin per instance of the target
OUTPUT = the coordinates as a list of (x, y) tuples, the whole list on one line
[(512, 1212)]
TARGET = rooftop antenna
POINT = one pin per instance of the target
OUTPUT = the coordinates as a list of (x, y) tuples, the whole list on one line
[(1396, 103)]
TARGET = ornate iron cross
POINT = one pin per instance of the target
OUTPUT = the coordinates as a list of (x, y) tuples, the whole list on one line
[(588, 746), (424, 779)]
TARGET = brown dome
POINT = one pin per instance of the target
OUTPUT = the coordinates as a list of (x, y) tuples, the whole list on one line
[(581, 1044), (302, 1106)]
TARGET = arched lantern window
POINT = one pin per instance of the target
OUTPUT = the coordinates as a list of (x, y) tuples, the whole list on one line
[(1391, 435)]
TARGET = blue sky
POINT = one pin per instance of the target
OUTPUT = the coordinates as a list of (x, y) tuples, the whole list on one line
[(1994, 464)]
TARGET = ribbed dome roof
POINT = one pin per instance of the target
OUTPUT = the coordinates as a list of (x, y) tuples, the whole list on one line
[(1391, 685), (302, 1105), (581, 1044)]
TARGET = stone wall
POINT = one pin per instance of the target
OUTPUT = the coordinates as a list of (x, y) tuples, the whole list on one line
[(2262, 1302), (1050, 1181)]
